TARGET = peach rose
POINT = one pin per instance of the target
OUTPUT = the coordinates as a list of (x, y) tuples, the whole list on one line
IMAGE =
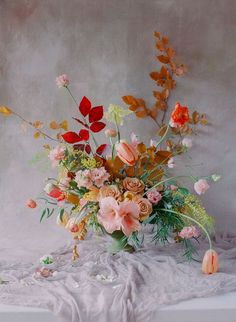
[(110, 191), (145, 207), (133, 184)]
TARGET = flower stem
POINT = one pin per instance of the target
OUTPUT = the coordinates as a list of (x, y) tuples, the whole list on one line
[(193, 220), (38, 130), (76, 103), (166, 180), (163, 137)]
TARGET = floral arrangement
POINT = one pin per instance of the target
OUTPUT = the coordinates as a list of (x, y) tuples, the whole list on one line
[(121, 185)]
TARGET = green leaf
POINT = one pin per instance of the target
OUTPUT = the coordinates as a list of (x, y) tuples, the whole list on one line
[(184, 191), (61, 213), (43, 214)]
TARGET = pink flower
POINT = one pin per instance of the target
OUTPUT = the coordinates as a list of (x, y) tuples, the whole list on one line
[(31, 203), (62, 81), (134, 140), (123, 216), (99, 176), (84, 178), (189, 232), (201, 186), (129, 212), (171, 163), (108, 215), (56, 155), (187, 142), (173, 187), (64, 183), (154, 196)]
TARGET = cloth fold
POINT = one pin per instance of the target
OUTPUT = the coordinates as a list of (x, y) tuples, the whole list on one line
[(124, 287)]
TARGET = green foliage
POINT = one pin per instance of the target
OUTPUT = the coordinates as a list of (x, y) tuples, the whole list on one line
[(194, 209), (189, 249)]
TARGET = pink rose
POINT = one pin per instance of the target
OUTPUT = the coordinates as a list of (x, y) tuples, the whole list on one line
[(84, 178), (154, 196), (62, 81), (189, 232), (99, 176), (123, 216), (56, 155), (201, 186)]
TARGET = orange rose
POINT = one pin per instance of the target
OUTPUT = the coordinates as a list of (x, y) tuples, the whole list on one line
[(126, 153), (133, 184), (180, 115), (109, 191), (145, 207)]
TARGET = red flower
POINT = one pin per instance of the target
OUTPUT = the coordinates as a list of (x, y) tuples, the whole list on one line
[(179, 116)]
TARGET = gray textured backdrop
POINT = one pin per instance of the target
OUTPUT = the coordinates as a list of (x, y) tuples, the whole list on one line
[(107, 49)]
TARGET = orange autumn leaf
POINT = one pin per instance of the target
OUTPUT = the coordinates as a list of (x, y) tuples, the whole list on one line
[(129, 100), (37, 135), (163, 59), (64, 125), (54, 125), (6, 111)]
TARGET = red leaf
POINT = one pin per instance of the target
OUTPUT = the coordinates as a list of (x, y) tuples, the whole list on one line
[(79, 121), (97, 126), (95, 114), (84, 135), (79, 147), (85, 106), (88, 148), (101, 149), (71, 137)]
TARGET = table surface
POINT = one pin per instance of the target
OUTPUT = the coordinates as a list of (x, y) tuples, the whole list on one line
[(221, 308)]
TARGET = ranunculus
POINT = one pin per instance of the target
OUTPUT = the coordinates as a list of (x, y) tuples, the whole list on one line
[(187, 142), (154, 196), (57, 155), (31, 203), (109, 191), (145, 207), (189, 232), (210, 262), (99, 176), (84, 178), (111, 133), (126, 153), (179, 116), (123, 216), (201, 186), (133, 184), (62, 81)]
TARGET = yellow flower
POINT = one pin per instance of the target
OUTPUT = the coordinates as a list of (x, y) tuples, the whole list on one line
[(89, 163), (116, 114)]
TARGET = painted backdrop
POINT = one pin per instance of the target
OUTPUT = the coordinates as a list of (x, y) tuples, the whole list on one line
[(107, 49)]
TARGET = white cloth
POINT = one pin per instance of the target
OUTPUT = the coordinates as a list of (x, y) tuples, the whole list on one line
[(124, 287)]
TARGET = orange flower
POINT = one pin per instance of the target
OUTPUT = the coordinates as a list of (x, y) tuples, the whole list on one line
[(126, 153), (179, 116), (31, 203), (210, 263), (110, 191), (133, 184), (145, 207)]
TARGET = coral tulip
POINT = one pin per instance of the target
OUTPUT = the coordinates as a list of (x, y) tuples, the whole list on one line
[(210, 263), (31, 203), (126, 153)]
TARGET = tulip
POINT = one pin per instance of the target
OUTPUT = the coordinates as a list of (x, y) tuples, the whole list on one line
[(210, 263), (126, 153), (31, 203)]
